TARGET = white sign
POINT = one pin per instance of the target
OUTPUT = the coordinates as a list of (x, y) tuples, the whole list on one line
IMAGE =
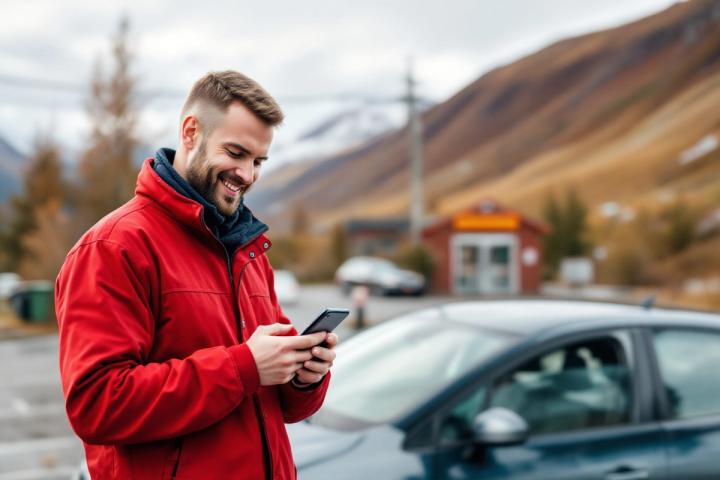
[(529, 256)]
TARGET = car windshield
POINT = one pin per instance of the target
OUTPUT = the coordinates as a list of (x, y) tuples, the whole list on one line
[(363, 264), (384, 266), (383, 372)]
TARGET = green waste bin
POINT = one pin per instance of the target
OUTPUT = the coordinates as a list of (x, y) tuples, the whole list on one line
[(33, 301)]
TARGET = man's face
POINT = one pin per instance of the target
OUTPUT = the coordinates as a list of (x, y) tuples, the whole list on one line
[(227, 162)]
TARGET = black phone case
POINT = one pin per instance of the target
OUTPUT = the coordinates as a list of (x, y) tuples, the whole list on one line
[(327, 321)]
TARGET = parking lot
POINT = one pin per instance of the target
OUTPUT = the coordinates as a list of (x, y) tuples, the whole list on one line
[(36, 441)]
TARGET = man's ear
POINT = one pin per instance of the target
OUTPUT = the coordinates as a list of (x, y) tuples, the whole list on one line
[(189, 132)]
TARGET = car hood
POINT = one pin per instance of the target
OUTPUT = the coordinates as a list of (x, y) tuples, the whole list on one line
[(313, 444)]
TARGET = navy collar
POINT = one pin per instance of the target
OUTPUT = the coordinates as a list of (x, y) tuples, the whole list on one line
[(233, 231)]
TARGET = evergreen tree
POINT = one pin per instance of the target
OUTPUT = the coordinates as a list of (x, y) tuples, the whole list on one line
[(575, 219), (568, 237), (554, 241)]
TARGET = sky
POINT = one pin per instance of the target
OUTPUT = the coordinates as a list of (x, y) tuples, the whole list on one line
[(316, 57)]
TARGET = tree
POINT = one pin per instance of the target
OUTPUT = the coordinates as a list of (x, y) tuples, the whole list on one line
[(338, 244), (680, 227), (575, 218), (43, 189), (21, 221), (46, 246), (416, 258), (568, 237), (554, 241), (106, 169)]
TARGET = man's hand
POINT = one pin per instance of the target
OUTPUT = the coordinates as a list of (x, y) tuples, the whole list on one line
[(278, 357), (313, 370)]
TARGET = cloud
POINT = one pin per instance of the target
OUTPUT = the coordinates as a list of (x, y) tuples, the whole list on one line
[(323, 47)]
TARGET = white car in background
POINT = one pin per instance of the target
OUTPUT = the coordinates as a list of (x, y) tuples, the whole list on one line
[(9, 281), (287, 288), (380, 275)]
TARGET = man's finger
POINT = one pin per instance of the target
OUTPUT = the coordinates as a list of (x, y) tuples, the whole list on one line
[(306, 342), (316, 367), (306, 376), (301, 356), (275, 329), (324, 354), (332, 340)]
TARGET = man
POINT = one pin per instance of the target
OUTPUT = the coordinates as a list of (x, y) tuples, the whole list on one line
[(176, 360)]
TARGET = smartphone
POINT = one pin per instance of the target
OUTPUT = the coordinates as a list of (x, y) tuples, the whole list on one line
[(327, 321)]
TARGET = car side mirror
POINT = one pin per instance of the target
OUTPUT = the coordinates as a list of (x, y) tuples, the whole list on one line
[(499, 426)]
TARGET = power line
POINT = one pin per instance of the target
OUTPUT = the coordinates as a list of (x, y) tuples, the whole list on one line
[(154, 93)]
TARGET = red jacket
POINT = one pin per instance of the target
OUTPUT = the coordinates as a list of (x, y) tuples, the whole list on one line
[(158, 381)]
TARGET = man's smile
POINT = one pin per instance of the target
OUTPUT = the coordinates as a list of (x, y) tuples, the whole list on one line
[(231, 185)]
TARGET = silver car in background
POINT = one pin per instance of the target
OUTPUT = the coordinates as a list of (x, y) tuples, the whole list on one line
[(380, 275)]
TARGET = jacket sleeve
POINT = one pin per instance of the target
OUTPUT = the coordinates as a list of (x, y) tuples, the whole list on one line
[(297, 404), (104, 305)]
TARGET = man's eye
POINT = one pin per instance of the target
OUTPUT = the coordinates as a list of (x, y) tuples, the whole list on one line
[(233, 154), (258, 163)]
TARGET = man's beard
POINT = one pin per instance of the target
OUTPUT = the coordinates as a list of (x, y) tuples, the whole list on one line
[(206, 183)]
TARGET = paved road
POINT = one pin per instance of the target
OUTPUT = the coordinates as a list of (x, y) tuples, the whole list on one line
[(36, 441)]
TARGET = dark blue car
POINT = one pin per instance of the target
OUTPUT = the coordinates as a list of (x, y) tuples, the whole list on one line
[(522, 390)]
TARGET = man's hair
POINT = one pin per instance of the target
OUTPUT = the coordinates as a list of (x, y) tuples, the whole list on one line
[(220, 89)]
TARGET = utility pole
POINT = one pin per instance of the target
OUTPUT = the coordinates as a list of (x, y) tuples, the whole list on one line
[(416, 160)]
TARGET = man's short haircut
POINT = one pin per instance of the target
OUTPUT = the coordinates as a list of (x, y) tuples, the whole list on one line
[(220, 89)]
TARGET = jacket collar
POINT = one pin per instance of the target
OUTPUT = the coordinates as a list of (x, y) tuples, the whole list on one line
[(219, 224), (245, 231), (186, 211)]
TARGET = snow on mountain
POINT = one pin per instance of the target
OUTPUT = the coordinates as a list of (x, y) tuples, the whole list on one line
[(344, 130)]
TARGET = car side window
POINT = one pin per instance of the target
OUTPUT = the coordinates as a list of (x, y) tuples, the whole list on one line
[(689, 365), (582, 385)]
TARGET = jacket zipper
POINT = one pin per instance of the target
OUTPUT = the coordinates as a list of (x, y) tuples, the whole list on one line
[(179, 447), (256, 400)]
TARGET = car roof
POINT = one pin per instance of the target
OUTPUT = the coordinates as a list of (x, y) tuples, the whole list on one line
[(363, 258), (531, 317)]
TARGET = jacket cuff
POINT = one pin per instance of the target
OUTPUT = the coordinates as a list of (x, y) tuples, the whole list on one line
[(245, 367), (304, 386), (308, 387)]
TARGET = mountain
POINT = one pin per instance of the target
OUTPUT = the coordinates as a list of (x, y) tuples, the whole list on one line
[(610, 113), (337, 134), (341, 131), (11, 164)]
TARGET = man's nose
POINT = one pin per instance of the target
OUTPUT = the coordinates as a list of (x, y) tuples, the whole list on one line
[(245, 172)]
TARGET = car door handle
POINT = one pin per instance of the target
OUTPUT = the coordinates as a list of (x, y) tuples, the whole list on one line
[(627, 473)]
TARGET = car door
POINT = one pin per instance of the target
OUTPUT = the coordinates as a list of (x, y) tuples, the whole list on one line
[(582, 401), (688, 368)]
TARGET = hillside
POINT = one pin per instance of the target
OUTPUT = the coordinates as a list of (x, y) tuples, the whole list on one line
[(610, 113)]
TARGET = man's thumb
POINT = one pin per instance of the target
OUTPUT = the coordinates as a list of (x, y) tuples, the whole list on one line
[(275, 329)]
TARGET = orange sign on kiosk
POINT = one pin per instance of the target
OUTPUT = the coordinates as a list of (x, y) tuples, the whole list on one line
[(492, 221)]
